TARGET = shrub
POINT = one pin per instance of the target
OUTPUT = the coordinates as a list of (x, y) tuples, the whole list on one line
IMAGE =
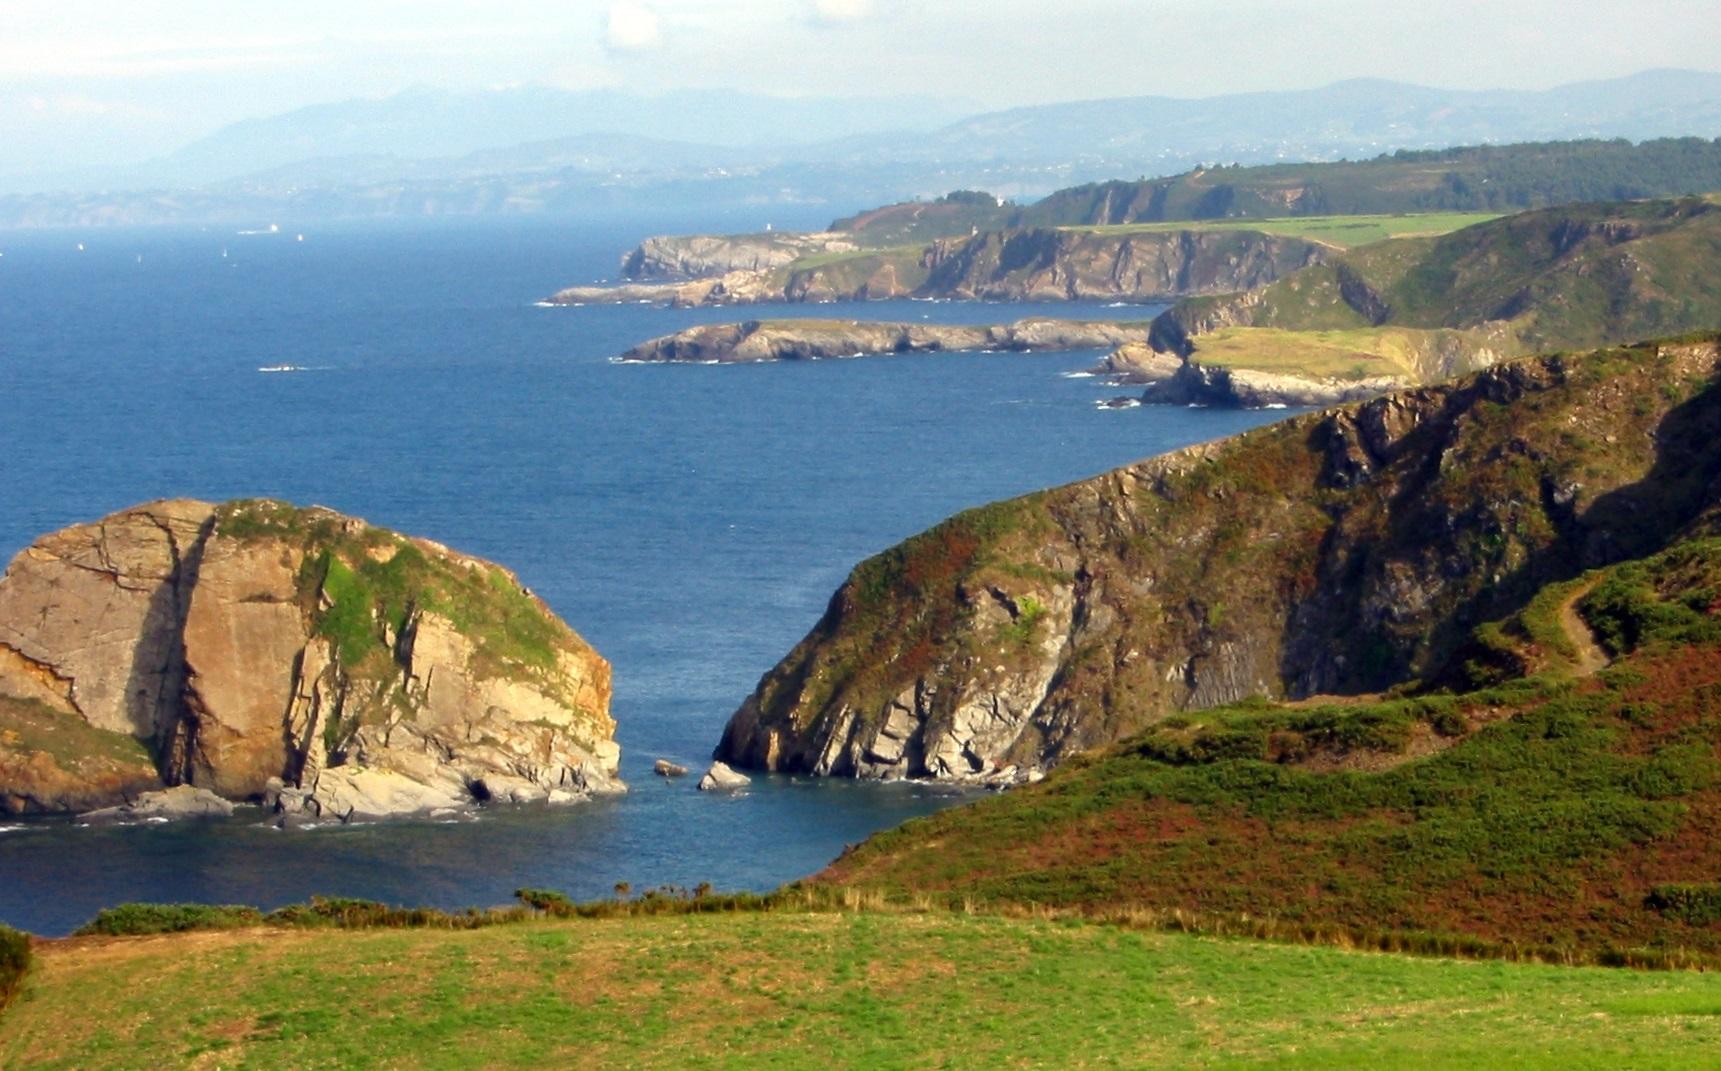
[(132, 920), (1696, 903), (14, 963)]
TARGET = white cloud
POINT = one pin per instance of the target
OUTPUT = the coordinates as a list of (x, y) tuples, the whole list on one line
[(632, 27), (833, 11)]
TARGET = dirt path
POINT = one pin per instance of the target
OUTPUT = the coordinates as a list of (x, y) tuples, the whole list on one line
[(1591, 657)]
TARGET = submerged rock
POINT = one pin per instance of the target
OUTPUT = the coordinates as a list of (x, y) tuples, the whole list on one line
[(298, 656)]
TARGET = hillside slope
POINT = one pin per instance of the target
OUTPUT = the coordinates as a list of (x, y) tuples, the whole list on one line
[(1475, 178), (1340, 552), (1551, 798), (1421, 310)]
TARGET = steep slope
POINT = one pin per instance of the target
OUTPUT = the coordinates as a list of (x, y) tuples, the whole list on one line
[(1340, 552), (262, 651)]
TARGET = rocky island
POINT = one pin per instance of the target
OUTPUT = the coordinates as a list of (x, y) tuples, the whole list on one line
[(788, 340), (294, 657)]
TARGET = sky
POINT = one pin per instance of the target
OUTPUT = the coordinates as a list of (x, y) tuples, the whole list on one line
[(111, 82)]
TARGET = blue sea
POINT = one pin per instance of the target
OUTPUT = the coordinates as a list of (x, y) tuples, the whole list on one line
[(690, 521)]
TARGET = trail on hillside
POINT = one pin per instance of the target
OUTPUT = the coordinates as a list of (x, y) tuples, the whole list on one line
[(1591, 657)]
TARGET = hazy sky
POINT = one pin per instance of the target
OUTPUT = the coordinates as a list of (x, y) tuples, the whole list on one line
[(85, 81)]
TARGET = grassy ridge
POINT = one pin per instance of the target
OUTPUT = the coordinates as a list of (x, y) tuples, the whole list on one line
[(862, 989), (1472, 179), (1346, 232)]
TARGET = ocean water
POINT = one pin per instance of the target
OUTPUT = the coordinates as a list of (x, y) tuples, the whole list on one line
[(690, 521)]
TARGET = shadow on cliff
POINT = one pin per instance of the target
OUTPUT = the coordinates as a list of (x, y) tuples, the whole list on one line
[(155, 689)]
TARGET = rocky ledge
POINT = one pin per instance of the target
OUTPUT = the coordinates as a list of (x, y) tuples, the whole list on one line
[(807, 340), (293, 657), (1174, 380)]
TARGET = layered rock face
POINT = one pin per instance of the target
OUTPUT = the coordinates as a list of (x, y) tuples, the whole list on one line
[(785, 340), (255, 649), (701, 256), (1341, 552), (1026, 265)]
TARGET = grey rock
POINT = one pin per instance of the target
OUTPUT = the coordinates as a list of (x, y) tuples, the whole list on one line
[(169, 804), (721, 778)]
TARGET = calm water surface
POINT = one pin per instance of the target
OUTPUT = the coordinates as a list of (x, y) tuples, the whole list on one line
[(690, 521)]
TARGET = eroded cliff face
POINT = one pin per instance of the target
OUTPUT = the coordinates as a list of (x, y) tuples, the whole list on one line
[(1029, 265), (1340, 552), (702, 256), (263, 651)]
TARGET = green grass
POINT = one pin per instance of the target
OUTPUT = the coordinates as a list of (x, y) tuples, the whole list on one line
[(1347, 355), (28, 726), (1346, 232), (858, 989)]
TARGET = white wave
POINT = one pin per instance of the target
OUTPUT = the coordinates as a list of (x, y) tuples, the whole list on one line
[(1078, 375), (13, 829), (1197, 405), (1118, 403), (283, 368), (1275, 405)]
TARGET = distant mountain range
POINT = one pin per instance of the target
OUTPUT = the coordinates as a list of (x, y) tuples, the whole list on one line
[(536, 149)]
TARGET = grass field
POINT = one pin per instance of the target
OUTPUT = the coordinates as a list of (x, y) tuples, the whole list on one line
[(1319, 354), (835, 989), (1343, 231)]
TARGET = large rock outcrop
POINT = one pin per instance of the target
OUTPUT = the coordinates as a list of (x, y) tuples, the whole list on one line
[(1338, 552), (254, 647), (701, 256)]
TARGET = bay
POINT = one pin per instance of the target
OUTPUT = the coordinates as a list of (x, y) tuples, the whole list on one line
[(689, 521)]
